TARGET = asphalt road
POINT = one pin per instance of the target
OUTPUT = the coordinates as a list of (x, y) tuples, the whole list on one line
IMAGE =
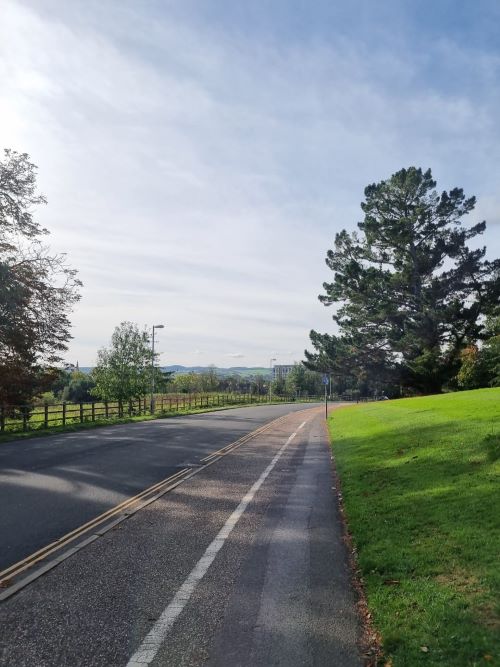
[(51, 485), (241, 565)]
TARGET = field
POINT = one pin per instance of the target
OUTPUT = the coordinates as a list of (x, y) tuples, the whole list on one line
[(24, 421), (420, 483), (52, 415)]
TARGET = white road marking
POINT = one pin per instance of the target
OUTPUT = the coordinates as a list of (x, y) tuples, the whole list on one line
[(151, 644), (302, 425)]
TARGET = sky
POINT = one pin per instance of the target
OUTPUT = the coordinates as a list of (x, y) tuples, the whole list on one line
[(199, 156)]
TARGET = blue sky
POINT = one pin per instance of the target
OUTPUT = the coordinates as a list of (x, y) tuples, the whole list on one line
[(199, 157)]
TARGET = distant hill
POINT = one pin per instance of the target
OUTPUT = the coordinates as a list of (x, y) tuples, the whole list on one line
[(244, 371)]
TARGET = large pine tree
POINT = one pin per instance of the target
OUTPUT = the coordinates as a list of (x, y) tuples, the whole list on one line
[(410, 291)]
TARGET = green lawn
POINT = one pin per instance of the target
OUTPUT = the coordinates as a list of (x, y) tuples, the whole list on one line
[(420, 480)]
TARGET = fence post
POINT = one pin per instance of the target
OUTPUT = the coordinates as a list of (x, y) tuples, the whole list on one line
[(25, 417), (46, 415), (81, 413), (64, 412), (2, 417), (93, 411), (129, 407), (177, 403), (106, 410)]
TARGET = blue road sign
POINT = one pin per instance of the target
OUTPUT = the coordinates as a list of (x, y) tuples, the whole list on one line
[(325, 379)]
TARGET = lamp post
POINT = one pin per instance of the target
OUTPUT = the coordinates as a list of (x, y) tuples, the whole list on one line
[(271, 378), (152, 403)]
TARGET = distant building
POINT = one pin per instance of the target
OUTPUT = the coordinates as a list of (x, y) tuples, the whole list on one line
[(280, 371)]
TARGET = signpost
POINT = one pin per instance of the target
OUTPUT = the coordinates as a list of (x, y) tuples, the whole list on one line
[(326, 380)]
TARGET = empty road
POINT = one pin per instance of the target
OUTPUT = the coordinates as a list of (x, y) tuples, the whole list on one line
[(241, 564)]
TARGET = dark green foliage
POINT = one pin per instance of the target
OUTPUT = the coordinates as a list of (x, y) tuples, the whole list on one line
[(37, 290), (410, 292), (79, 389), (303, 382), (480, 366)]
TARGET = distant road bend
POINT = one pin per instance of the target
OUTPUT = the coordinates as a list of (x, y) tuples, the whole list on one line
[(239, 562)]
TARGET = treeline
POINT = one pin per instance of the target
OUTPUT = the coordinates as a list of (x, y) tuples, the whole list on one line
[(417, 308), (124, 372), (37, 293)]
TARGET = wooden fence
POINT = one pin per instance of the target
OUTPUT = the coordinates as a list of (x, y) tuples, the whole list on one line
[(15, 419)]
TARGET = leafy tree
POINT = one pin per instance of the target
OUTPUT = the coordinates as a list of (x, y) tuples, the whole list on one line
[(123, 371), (209, 380), (490, 351), (411, 294), (186, 383), (469, 374), (295, 380), (258, 384), (278, 387), (480, 366), (61, 380), (302, 381), (234, 382), (163, 380), (79, 389), (37, 289)]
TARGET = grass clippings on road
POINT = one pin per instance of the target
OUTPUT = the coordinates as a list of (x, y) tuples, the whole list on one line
[(420, 482)]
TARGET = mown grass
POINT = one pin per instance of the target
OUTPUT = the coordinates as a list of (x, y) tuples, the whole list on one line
[(420, 481)]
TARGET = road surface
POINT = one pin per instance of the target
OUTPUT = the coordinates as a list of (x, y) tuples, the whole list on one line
[(51, 485), (241, 564)]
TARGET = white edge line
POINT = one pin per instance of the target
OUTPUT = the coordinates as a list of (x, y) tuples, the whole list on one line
[(151, 644), (53, 563)]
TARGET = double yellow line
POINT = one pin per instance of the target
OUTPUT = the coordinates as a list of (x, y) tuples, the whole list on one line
[(125, 509), (41, 554), (245, 438)]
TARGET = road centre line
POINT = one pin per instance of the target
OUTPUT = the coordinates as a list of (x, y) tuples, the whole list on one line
[(118, 513), (302, 425), (151, 644), (33, 558)]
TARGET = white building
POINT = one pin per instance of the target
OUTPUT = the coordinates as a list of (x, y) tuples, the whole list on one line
[(280, 371)]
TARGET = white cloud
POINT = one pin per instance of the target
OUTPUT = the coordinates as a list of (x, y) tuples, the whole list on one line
[(199, 178)]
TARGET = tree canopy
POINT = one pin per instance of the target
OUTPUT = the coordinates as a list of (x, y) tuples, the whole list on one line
[(37, 289), (410, 292), (123, 370)]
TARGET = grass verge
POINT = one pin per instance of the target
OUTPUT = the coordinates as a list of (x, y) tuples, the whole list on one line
[(420, 483)]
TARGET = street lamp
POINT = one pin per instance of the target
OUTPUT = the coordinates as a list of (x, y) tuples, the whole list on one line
[(152, 404), (271, 378)]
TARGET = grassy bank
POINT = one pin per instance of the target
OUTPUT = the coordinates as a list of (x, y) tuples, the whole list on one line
[(420, 480)]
